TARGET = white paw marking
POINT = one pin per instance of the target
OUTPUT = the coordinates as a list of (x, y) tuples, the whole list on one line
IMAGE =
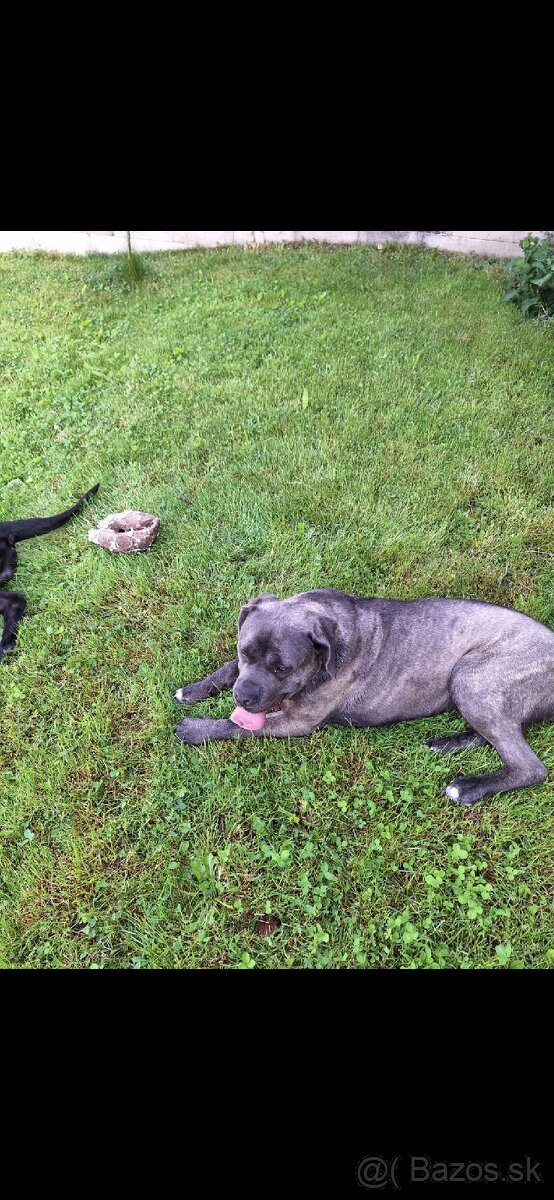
[(178, 695), (453, 792)]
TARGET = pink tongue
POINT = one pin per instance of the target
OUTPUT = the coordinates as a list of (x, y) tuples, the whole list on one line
[(247, 720)]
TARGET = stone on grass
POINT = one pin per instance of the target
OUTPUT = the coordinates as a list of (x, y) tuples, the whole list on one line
[(126, 532)]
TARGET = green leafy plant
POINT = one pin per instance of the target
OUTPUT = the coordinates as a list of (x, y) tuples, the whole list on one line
[(531, 278)]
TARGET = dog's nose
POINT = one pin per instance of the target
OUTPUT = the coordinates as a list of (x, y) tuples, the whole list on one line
[(247, 695)]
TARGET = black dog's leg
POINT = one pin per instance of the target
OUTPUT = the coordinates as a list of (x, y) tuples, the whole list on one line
[(8, 563), (453, 742), (12, 607), (218, 682)]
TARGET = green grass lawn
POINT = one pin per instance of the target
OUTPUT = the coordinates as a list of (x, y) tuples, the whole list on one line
[(299, 418)]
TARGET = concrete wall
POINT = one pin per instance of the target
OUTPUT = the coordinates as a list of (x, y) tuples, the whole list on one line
[(502, 243)]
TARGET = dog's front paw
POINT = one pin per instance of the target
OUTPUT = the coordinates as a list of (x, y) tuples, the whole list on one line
[(188, 694), (193, 732)]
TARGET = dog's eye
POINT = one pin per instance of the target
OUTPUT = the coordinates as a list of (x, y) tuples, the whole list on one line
[(281, 670)]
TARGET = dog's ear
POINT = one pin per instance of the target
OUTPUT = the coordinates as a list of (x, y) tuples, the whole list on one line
[(252, 604), (324, 638)]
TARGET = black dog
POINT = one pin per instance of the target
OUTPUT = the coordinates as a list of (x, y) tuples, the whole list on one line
[(12, 604)]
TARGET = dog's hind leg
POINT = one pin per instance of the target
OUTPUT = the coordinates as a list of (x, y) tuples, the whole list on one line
[(521, 769), (454, 742), (12, 607), (220, 681), (497, 713)]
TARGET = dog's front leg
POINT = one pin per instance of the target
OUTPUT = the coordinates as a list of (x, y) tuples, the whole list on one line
[(195, 731), (296, 724), (8, 563), (222, 679), (12, 607)]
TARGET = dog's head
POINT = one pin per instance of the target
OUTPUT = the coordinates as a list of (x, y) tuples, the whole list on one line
[(281, 648)]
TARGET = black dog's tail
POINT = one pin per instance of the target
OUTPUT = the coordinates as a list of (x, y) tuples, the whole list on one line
[(19, 531)]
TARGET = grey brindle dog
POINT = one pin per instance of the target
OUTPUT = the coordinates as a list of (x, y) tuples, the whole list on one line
[(324, 657)]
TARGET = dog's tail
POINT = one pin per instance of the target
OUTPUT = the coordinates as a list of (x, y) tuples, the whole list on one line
[(19, 531)]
